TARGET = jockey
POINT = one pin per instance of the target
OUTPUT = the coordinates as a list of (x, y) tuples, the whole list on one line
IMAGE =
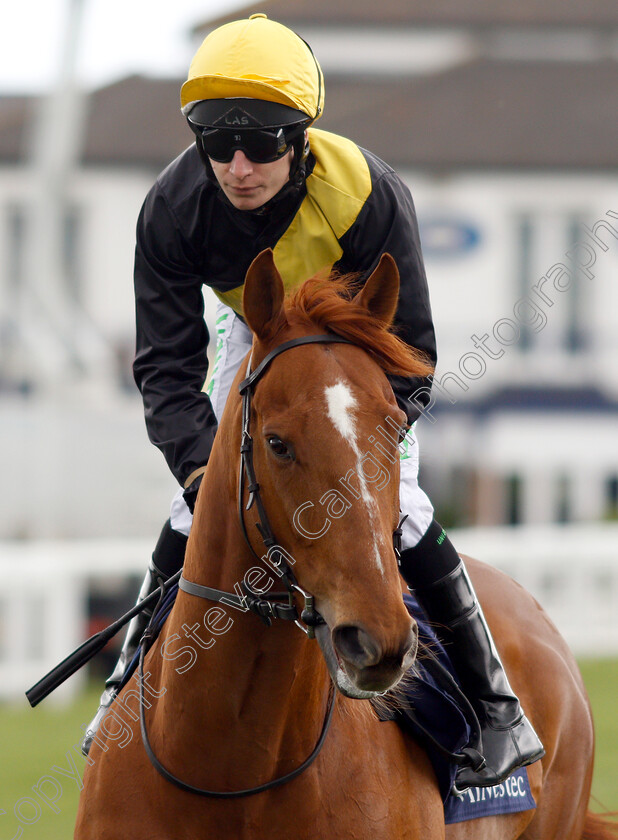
[(259, 175)]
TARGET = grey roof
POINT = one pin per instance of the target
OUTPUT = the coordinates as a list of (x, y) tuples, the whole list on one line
[(133, 122), (481, 114), (136, 121), (484, 114), (580, 399), (466, 13)]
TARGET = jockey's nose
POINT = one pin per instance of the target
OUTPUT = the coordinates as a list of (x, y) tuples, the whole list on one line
[(240, 165)]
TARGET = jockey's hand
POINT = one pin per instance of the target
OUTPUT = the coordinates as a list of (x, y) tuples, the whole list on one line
[(190, 494)]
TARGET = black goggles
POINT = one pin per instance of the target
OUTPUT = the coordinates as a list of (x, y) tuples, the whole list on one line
[(260, 145)]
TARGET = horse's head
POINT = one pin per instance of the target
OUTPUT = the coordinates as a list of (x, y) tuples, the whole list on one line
[(326, 428)]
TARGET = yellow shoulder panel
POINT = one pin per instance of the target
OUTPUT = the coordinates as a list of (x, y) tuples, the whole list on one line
[(336, 192)]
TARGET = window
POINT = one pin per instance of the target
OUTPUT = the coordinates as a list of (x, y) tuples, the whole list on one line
[(71, 252), (16, 248), (563, 499), (513, 495), (575, 332), (551, 282), (611, 497)]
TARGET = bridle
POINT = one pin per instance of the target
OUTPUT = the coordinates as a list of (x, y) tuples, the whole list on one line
[(268, 606), (274, 605)]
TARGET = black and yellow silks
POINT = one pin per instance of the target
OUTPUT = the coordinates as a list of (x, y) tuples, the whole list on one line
[(256, 58), (351, 208)]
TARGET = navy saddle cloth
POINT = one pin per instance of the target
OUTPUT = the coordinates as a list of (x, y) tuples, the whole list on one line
[(437, 711)]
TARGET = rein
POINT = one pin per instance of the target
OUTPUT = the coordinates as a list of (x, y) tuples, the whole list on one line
[(224, 794), (266, 607)]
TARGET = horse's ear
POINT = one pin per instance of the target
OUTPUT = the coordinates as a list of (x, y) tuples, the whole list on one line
[(263, 296), (380, 294)]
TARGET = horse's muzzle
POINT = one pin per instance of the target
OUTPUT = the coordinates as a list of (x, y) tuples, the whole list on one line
[(369, 667)]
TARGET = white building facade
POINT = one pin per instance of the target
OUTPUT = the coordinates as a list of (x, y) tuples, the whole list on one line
[(503, 129)]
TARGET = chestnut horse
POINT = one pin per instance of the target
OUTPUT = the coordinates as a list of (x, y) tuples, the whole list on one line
[(231, 704)]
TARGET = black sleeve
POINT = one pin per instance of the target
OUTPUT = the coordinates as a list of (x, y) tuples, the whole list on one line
[(387, 223), (171, 363)]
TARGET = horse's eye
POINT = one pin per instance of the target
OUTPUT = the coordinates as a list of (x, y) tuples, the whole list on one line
[(278, 447)]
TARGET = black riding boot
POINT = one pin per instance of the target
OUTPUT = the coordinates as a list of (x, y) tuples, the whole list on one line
[(167, 558), (442, 586)]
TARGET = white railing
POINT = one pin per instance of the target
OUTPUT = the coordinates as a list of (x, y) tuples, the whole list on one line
[(43, 604), (572, 571)]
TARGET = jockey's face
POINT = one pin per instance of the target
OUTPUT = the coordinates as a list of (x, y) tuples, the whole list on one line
[(249, 185)]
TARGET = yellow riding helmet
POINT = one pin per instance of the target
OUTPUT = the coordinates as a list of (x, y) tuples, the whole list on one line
[(256, 58)]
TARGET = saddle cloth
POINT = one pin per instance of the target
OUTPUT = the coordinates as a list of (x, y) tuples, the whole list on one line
[(436, 711)]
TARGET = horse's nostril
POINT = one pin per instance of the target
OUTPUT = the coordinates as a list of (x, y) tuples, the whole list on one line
[(356, 646)]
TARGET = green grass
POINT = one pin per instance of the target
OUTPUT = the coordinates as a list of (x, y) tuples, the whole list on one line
[(601, 678), (33, 741)]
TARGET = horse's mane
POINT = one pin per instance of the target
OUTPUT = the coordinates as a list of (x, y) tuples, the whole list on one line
[(327, 303)]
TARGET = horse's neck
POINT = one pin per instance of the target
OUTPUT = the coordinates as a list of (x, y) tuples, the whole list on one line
[(217, 554), (263, 689)]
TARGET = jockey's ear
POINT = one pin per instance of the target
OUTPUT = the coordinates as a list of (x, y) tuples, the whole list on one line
[(263, 297), (380, 294)]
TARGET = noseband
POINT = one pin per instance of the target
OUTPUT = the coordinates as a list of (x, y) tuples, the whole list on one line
[(267, 607)]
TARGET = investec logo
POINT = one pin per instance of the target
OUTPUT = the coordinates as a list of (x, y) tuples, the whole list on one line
[(513, 788)]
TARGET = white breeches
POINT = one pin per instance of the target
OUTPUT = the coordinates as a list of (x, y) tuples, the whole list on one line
[(233, 344)]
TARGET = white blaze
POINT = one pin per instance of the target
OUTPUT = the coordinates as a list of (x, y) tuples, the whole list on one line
[(341, 404)]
